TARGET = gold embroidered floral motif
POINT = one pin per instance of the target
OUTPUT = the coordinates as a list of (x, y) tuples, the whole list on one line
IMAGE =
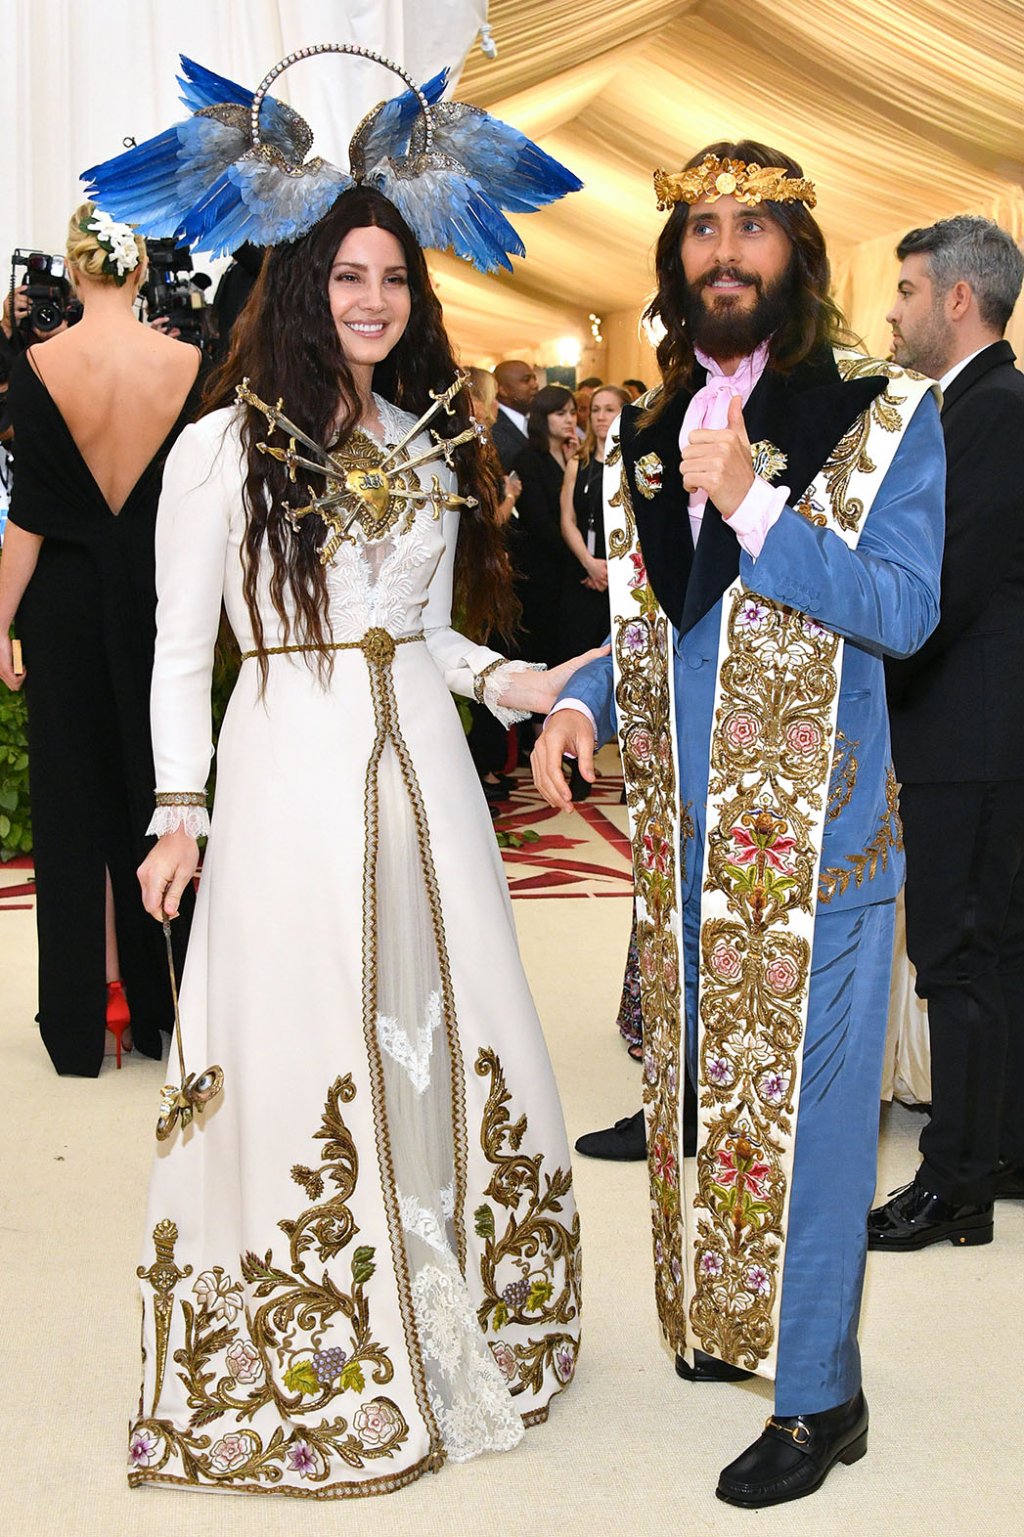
[(850, 455), (286, 1353), (875, 856), (844, 776), (531, 1270)]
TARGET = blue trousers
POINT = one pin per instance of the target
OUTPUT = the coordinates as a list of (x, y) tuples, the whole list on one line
[(836, 1151)]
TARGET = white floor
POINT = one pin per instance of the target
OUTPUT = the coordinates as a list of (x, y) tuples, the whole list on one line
[(631, 1449)]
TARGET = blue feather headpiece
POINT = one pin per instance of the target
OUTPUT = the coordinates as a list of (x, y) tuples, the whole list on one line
[(236, 170)]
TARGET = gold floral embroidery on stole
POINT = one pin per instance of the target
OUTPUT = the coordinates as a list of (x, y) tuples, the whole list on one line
[(641, 655)]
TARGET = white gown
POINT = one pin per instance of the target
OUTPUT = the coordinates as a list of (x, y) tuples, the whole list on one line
[(364, 1257)]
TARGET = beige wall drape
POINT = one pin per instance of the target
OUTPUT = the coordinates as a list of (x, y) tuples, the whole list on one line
[(901, 111)]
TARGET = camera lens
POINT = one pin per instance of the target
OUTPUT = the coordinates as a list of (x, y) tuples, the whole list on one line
[(46, 315)]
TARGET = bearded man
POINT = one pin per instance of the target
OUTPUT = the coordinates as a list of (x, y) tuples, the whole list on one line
[(774, 520)]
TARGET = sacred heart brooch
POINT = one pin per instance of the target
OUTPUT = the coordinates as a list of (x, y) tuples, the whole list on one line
[(365, 483), (648, 473), (768, 461)]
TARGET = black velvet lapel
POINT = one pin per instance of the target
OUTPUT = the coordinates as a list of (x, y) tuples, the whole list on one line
[(661, 519), (804, 414)]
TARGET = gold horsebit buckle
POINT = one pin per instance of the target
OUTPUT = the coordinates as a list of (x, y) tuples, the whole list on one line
[(800, 1433)]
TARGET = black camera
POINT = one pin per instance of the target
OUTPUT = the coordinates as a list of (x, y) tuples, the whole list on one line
[(48, 291), (172, 292)]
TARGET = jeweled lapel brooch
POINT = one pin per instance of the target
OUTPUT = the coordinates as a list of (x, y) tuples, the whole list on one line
[(648, 473), (768, 461)]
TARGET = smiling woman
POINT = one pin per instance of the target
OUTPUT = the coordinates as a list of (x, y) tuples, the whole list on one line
[(336, 528), (369, 294)]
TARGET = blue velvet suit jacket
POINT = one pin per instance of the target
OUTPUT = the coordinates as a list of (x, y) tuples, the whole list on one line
[(882, 597)]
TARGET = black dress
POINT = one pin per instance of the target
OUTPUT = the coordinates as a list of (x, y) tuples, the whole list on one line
[(538, 554), (585, 618), (87, 623)]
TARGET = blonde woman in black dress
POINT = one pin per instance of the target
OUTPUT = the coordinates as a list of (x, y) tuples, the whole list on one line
[(95, 413)]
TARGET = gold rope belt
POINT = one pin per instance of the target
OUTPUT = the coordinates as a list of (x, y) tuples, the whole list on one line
[(376, 645)]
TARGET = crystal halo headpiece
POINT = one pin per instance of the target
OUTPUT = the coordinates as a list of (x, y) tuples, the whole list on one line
[(236, 169), (715, 178)]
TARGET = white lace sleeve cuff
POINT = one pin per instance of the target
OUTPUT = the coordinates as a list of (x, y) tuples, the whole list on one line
[(187, 811), (491, 683)]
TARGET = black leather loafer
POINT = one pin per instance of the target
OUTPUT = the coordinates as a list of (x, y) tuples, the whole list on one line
[(707, 1368), (793, 1455), (625, 1142), (914, 1217), (1009, 1182)]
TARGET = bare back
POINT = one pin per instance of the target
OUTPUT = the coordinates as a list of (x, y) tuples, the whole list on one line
[(120, 390)]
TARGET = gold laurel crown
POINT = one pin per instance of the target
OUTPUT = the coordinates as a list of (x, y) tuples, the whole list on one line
[(750, 184)]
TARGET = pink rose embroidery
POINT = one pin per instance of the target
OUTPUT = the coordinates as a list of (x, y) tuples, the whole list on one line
[(243, 1362), (782, 975), (726, 961), (378, 1422), (230, 1453), (505, 1356), (640, 745), (804, 738), (741, 730)]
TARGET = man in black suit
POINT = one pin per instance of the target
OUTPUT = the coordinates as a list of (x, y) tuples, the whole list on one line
[(957, 716), (517, 385)]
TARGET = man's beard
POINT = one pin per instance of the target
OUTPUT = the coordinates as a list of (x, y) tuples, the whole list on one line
[(723, 329)]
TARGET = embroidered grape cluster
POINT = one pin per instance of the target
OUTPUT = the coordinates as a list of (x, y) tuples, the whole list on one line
[(516, 1293), (328, 1364)]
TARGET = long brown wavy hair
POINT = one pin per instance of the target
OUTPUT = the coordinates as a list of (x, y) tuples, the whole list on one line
[(813, 320), (287, 345)]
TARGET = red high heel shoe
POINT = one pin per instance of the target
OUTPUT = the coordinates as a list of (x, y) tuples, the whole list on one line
[(118, 1016)]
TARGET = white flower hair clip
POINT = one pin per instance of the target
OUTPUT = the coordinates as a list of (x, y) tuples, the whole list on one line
[(118, 240)]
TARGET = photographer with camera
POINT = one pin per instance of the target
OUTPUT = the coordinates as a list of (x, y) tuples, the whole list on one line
[(95, 414), (41, 306)]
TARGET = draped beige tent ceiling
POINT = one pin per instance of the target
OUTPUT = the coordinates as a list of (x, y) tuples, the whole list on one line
[(902, 113)]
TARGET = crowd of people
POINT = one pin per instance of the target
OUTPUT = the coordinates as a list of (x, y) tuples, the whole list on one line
[(747, 588)]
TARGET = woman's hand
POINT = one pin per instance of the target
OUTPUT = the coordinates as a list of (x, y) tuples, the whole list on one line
[(597, 574), (166, 871), (537, 691), (13, 679)]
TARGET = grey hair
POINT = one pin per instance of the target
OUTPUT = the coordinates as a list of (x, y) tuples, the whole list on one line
[(976, 251)]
